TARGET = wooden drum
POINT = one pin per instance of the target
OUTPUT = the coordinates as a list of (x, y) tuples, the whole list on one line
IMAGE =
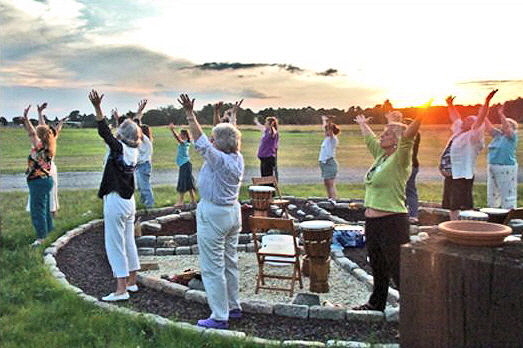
[(317, 238), (496, 215), (473, 215), (261, 198)]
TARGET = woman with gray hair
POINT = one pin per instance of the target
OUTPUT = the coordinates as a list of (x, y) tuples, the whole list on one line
[(386, 219), (218, 216), (117, 192)]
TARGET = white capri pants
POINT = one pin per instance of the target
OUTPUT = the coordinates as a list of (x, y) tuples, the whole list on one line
[(119, 234), (502, 186), (218, 229)]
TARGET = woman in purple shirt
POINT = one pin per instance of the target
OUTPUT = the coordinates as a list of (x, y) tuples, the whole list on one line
[(268, 149)]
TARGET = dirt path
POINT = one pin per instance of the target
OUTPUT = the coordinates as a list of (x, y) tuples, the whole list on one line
[(293, 175)]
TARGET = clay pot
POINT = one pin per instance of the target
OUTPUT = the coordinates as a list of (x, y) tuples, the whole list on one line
[(475, 233)]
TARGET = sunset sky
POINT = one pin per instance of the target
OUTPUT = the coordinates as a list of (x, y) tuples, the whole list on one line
[(284, 53)]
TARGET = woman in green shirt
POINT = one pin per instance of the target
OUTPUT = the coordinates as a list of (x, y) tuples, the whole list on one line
[(386, 218)]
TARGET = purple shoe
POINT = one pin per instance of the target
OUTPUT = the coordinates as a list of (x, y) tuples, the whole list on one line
[(213, 324), (235, 313)]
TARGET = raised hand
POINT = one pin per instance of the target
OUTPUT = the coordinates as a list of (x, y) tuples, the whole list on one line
[(218, 106), (450, 99), (491, 95), (171, 126), (361, 119), (231, 112), (26, 111), (141, 106), (41, 108), (186, 103), (115, 114), (95, 99)]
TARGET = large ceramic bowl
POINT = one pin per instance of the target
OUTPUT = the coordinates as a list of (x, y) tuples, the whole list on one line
[(475, 233)]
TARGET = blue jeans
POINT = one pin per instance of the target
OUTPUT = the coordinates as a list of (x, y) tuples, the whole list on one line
[(143, 181), (39, 195), (412, 193)]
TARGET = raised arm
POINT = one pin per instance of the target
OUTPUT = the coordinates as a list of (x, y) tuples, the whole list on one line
[(413, 127), (194, 125), (484, 110), (232, 113), (175, 135), (258, 124), (40, 109), (505, 125), (31, 132), (454, 114), (96, 100), (141, 107), (60, 125), (362, 121), (217, 110)]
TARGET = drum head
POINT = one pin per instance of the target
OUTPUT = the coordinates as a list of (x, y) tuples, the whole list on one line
[(344, 227), (472, 214), (316, 225), (262, 189), (494, 211)]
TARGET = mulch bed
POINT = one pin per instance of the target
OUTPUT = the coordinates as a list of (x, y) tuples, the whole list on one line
[(84, 262)]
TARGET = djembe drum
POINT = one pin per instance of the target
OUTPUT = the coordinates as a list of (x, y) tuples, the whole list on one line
[(473, 215), (317, 238), (261, 199), (496, 215)]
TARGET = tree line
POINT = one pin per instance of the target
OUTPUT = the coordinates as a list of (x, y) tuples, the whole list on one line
[(298, 116)]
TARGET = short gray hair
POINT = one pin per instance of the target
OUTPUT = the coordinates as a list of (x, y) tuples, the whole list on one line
[(227, 138), (396, 128), (130, 133)]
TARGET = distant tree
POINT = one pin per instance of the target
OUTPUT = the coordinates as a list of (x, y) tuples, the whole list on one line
[(18, 120), (75, 116), (3, 121)]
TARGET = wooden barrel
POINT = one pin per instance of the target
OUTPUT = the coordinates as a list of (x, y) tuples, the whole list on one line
[(261, 199), (319, 275), (317, 238)]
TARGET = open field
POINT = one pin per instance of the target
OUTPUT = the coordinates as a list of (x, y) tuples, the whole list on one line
[(83, 149)]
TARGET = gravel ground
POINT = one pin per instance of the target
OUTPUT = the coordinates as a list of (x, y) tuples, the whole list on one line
[(85, 265), (344, 288)]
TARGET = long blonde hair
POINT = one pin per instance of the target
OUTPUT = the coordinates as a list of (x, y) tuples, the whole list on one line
[(44, 133)]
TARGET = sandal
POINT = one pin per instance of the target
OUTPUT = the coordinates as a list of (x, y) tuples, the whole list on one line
[(365, 307)]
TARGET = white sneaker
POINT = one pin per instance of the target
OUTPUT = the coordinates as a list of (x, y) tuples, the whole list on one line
[(113, 296), (132, 288)]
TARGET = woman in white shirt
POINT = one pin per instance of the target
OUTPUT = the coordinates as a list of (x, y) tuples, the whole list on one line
[(327, 157)]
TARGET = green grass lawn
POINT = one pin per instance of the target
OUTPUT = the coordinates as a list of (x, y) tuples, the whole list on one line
[(83, 149), (35, 311)]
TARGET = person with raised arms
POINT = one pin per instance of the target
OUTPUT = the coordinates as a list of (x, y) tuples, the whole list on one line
[(502, 167), (218, 216), (458, 160), (119, 207), (386, 219)]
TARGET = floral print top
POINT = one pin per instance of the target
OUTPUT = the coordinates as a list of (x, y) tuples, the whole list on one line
[(38, 163)]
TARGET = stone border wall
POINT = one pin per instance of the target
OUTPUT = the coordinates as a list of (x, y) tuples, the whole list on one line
[(264, 307)]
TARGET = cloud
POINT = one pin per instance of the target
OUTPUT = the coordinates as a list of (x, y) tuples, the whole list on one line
[(328, 72), (253, 94), (489, 83)]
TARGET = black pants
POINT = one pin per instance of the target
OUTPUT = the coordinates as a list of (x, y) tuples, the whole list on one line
[(384, 238), (267, 166)]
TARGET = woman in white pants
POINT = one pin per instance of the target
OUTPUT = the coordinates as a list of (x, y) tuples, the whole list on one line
[(502, 173), (218, 216), (117, 192)]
